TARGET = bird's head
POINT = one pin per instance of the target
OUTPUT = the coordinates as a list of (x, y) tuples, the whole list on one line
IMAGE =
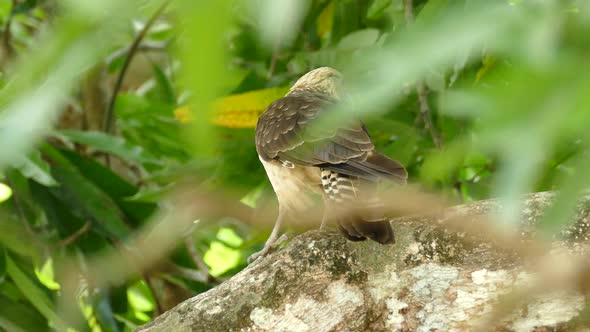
[(323, 80)]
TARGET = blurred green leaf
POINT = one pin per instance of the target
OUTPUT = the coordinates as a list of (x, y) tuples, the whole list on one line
[(104, 313), (111, 144), (19, 317), (13, 237), (140, 297), (46, 275), (2, 264), (5, 192), (377, 8), (33, 291), (347, 18), (85, 198), (113, 185), (561, 212), (207, 72), (164, 91), (432, 10), (359, 39), (152, 195), (24, 6), (229, 237), (221, 258), (5, 9), (394, 138), (505, 92), (45, 77), (35, 168)]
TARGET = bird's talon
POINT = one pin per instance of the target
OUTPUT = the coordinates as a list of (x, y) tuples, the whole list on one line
[(283, 238), (269, 248)]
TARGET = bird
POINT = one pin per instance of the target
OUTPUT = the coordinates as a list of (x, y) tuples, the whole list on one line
[(302, 159)]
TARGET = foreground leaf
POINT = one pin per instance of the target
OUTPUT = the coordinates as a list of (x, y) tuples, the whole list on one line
[(33, 292), (85, 198), (117, 146), (19, 317), (33, 167)]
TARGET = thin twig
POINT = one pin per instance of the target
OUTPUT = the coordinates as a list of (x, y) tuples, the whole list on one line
[(154, 288), (409, 11), (273, 59), (144, 47), (109, 120), (273, 64), (425, 113), (198, 259), (74, 236)]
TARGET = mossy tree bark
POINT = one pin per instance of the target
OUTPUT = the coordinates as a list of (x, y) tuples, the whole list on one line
[(432, 279)]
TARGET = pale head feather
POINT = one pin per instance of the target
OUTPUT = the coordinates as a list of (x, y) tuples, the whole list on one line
[(323, 80)]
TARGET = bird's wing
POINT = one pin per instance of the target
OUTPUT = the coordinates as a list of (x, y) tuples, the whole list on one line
[(284, 133)]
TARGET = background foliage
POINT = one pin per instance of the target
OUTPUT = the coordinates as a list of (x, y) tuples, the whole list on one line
[(106, 105)]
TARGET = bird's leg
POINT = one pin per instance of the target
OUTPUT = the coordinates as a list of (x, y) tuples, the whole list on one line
[(327, 215), (325, 219), (273, 241)]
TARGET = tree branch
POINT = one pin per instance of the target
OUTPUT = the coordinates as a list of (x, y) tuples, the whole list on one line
[(74, 236), (431, 279)]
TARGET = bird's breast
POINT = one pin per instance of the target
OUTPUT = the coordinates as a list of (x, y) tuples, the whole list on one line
[(297, 187)]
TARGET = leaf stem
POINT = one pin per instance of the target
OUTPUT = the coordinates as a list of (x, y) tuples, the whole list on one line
[(421, 89), (109, 119)]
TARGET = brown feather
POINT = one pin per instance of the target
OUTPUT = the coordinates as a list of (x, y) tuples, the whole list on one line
[(285, 135)]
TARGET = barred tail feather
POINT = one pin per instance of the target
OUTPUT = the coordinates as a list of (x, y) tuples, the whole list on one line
[(340, 191)]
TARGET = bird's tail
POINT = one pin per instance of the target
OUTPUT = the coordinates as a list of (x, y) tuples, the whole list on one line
[(364, 217)]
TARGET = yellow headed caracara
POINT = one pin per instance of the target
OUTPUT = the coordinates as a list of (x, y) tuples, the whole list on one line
[(340, 162)]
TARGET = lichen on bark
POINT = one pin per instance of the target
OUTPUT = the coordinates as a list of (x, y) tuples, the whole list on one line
[(432, 279)]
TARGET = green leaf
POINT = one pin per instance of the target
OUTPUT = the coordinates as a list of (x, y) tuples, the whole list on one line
[(5, 9), (140, 297), (46, 275), (347, 18), (132, 106), (85, 198), (13, 237), (151, 195), (33, 167), (394, 138), (115, 145), (62, 218), (41, 81), (359, 39), (221, 258), (163, 91), (24, 6), (34, 293), (5, 192), (229, 237), (114, 186), (332, 57), (18, 317), (564, 207), (2, 264), (431, 10), (377, 8), (104, 313), (439, 165)]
